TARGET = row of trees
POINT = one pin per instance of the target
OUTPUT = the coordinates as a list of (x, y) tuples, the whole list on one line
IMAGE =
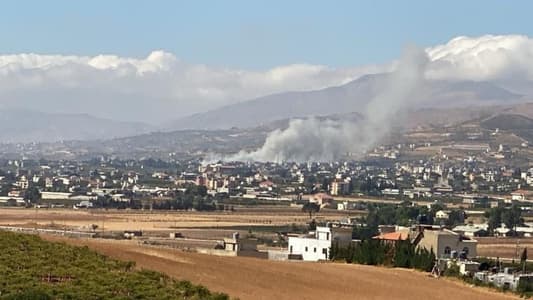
[(403, 214), (511, 217), (400, 254)]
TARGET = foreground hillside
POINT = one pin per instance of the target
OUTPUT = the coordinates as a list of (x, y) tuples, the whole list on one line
[(31, 268), (249, 278)]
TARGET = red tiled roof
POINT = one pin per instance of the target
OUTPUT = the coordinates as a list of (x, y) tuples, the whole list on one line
[(392, 236)]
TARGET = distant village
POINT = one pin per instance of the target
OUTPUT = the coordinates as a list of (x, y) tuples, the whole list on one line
[(437, 204)]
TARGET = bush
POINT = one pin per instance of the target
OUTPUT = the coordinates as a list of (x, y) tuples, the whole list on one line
[(452, 271)]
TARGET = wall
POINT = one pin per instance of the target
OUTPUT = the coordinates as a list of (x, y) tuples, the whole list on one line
[(298, 246)]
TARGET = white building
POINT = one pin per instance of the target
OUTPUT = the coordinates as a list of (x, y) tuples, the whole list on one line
[(441, 214), (316, 245), (55, 196)]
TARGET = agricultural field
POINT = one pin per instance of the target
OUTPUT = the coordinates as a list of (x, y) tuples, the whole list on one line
[(250, 278), (118, 220), (509, 248), (33, 268)]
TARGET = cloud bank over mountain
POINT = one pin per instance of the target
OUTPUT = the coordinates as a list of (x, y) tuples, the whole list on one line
[(161, 87), (152, 89)]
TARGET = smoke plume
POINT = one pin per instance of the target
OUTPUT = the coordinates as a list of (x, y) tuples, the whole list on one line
[(312, 139)]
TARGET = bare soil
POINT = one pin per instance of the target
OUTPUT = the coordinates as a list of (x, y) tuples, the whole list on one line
[(118, 220), (249, 278), (503, 247)]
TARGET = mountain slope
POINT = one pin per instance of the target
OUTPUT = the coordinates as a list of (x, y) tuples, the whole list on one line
[(351, 97), (17, 125)]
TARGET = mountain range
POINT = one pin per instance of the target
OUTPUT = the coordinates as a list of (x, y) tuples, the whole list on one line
[(350, 97), (20, 125)]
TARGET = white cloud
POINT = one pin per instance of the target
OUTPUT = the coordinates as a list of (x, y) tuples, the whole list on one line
[(489, 57), (160, 87)]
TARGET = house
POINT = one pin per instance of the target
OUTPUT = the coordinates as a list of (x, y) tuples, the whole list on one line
[(390, 192), (267, 184), (508, 279), (522, 195), (442, 215), (472, 230), (316, 245), (339, 187), (471, 200), (83, 204), (55, 196), (345, 205), (392, 237), (503, 231), (14, 194), (321, 199), (232, 244), (444, 243), (22, 182)]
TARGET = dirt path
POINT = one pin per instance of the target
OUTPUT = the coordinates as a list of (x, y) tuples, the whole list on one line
[(249, 278)]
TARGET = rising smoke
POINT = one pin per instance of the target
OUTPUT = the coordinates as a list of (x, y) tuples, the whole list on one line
[(326, 140)]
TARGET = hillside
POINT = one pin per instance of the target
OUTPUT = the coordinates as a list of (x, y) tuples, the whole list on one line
[(351, 97), (32, 268), (508, 122), (250, 278), (32, 126)]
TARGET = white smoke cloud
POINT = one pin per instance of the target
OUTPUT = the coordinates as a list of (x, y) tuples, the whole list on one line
[(327, 140), (487, 57)]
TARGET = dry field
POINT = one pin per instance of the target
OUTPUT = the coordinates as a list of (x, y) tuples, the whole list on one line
[(503, 247), (117, 220), (249, 278)]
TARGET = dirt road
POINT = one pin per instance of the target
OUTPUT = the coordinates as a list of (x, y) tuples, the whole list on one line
[(249, 278)]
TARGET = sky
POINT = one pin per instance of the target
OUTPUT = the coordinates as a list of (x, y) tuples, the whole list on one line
[(255, 35), (157, 61)]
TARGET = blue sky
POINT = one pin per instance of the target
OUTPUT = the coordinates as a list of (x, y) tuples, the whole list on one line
[(253, 34)]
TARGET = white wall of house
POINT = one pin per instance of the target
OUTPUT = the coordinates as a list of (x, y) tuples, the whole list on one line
[(312, 248)]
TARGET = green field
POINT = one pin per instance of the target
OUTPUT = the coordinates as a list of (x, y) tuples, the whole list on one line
[(31, 268)]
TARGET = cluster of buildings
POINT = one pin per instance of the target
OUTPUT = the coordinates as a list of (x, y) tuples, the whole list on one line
[(445, 244), (473, 182)]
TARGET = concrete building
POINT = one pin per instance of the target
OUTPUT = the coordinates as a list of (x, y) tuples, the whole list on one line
[(472, 230), (339, 187), (442, 215), (444, 243), (316, 245), (321, 199), (55, 196), (508, 279), (23, 183)]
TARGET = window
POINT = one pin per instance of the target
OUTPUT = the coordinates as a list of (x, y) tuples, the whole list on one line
[(447, 250), (305, 248), (290, 250), (327, 236), (324, 251), (314, 250), (466, 250)]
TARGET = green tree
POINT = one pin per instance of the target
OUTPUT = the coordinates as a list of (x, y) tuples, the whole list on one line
[(33, 195), (523, 259), (311, 208)]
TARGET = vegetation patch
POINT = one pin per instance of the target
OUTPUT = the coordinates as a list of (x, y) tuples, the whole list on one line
[(32, 268)]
